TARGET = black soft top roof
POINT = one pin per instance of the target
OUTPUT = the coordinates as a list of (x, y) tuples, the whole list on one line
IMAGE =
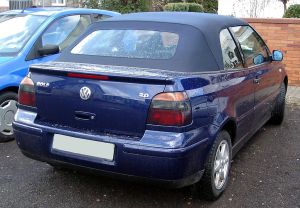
[(208, 27), (204, 21)]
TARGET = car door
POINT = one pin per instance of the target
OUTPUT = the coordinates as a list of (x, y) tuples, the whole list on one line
[(61, 32), (258, 61), (238, 89)]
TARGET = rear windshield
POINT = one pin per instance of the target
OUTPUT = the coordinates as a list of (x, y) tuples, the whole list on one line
[(143, 44)]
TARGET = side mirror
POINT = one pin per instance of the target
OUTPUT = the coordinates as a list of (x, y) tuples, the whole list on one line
[(259, 59), (277, 55), (48, 50)]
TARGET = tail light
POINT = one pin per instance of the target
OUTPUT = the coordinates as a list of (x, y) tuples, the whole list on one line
[(88, 76), (27, 92), (170, 109)]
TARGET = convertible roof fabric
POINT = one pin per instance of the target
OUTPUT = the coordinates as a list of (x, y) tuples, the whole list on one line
[(199, 45), (204, 21)]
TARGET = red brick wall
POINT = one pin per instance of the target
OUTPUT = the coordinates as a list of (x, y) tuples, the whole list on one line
[(2, 9), (282, 34)]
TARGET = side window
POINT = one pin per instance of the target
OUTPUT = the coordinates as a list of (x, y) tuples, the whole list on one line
[(64, 31), (254, 49), (230, 52)]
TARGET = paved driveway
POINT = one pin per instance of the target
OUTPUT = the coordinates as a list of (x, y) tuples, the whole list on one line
[(266, 173)]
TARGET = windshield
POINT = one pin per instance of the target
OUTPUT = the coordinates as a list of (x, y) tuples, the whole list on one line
[(16, 31), (5, 17), (144, 44)]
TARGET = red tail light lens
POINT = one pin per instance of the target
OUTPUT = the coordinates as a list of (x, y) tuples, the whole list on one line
[(170, 109), (27, 92)]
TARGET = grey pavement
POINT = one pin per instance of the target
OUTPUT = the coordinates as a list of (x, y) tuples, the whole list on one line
[(265, 173), (293, 95)]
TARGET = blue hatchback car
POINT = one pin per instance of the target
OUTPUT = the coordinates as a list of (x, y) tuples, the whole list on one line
[(159, 97), (27, 36)]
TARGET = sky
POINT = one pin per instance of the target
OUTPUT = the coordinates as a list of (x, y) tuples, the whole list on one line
[(3, 3), (274, 8)]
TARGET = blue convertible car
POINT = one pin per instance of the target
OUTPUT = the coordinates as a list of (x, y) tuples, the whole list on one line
[(160, 97), (27, 37)]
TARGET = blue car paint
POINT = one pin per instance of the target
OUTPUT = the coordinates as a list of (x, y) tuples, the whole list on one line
[(168, 154), (14, 69), (242, 98), (5, 59)]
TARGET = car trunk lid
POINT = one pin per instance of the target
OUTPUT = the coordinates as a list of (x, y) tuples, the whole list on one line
[(95, 98)]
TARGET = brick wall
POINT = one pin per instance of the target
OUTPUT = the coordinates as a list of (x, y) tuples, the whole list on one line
[(2, 9), (282, 34)]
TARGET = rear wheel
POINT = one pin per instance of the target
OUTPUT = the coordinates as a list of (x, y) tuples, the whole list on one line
[(215, 178), (278, 111), (8, 108)]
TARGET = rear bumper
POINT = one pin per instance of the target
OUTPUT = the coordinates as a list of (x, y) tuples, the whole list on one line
[(178, 183), (175, 167)]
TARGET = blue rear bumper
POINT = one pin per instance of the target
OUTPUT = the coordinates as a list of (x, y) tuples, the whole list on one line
[(177, 167)]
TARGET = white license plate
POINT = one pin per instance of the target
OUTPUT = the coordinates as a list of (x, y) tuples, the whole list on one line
[(83, 147)]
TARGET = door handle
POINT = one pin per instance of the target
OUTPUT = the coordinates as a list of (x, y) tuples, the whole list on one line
[(256, 80), (84, 116)]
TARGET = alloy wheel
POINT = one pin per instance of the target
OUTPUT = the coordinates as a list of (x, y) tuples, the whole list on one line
[(221, 165), (7, 112)]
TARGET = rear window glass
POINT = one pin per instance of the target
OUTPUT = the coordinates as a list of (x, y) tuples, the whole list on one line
[(144, 44)]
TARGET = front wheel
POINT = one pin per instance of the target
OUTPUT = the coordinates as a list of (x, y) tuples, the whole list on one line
[(8, 108), (216, 174), (278, 110)]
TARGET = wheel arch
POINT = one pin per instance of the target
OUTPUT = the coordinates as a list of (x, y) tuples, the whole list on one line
[(230, 126), (286, 82), (10, 89), (10, 83)]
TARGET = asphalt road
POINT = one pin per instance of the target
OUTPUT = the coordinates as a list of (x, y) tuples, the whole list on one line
[(265, 173)]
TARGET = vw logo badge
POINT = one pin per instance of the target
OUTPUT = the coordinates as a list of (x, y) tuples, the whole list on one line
[(85, 93)]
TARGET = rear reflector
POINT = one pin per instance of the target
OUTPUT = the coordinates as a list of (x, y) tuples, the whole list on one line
[(27, 92), (170, 109), (88, 76)]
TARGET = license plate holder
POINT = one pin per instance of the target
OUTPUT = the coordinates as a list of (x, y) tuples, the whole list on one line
[(83, 147)]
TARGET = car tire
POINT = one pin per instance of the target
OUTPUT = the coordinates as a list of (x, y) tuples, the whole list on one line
[(8, 108), (279, 107), (55, 166), (207, 187)]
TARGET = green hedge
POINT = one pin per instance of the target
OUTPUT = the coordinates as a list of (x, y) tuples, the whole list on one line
[(183, 7), (210, 6), (122, 6), (186, 1), (177, 7), (193, 7), (93, 4), (293, 11), (126, 6)]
